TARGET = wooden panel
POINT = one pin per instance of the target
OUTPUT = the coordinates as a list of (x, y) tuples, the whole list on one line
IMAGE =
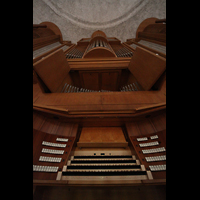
[(43, 32), (152, 36), (52, 126), (102, 144), (40, 42), (100, 102), (102, 137), (159, 122), (99, 64), (54, 28), (38, 138), (90, 80), (132, 129), (100, 80), (104, 180), (145, 127), (53, 69), (38, 120), (156, 28), (162, 143), (97, 33), (146, 67), (102, 134), (49, 126), (144, 24), (110, 81), (99, 52), (99, 150)]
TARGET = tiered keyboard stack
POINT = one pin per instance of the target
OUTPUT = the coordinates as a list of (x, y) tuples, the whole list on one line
[(151, 150), (50, 153), (101, 168)]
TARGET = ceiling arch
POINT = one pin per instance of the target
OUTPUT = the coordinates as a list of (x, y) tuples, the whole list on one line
[(80, 18)]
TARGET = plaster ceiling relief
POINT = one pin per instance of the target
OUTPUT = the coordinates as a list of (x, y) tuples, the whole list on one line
[(78, 19), (95, 14)]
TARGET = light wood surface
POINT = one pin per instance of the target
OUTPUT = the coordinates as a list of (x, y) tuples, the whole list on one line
[(102, 134), (97, 151), (53, 70), (146, 67), (102, 137)]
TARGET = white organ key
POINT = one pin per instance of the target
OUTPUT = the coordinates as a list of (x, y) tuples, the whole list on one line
[(154, 137), (52, 151), (142, 139), (49, 159), (155, 150), (39, 168), (149, 144), (157, 167), (62, 139), (51, 144), (155, 158)]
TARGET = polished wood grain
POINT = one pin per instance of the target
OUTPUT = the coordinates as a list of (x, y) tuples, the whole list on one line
[(162, 143), (146, 126), (53, 70), (84, 151), (102, 137), (99, 64), (38, 138), (144, 24), (100, 79), (102, 134), (54, 28), (146, 67), (53, 126), (100, 52), (44, 41)]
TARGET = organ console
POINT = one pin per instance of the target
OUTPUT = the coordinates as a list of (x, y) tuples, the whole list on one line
[(99, 108)]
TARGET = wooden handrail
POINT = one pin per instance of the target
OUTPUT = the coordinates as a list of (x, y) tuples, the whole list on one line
[(151, 106), (78, 112), (50, 107)]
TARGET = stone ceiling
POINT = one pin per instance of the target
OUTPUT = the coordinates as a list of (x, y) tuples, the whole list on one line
[(80, 18)]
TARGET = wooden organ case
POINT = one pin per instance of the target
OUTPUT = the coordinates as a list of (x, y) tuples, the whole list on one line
[(151, 35), (99, 110)]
